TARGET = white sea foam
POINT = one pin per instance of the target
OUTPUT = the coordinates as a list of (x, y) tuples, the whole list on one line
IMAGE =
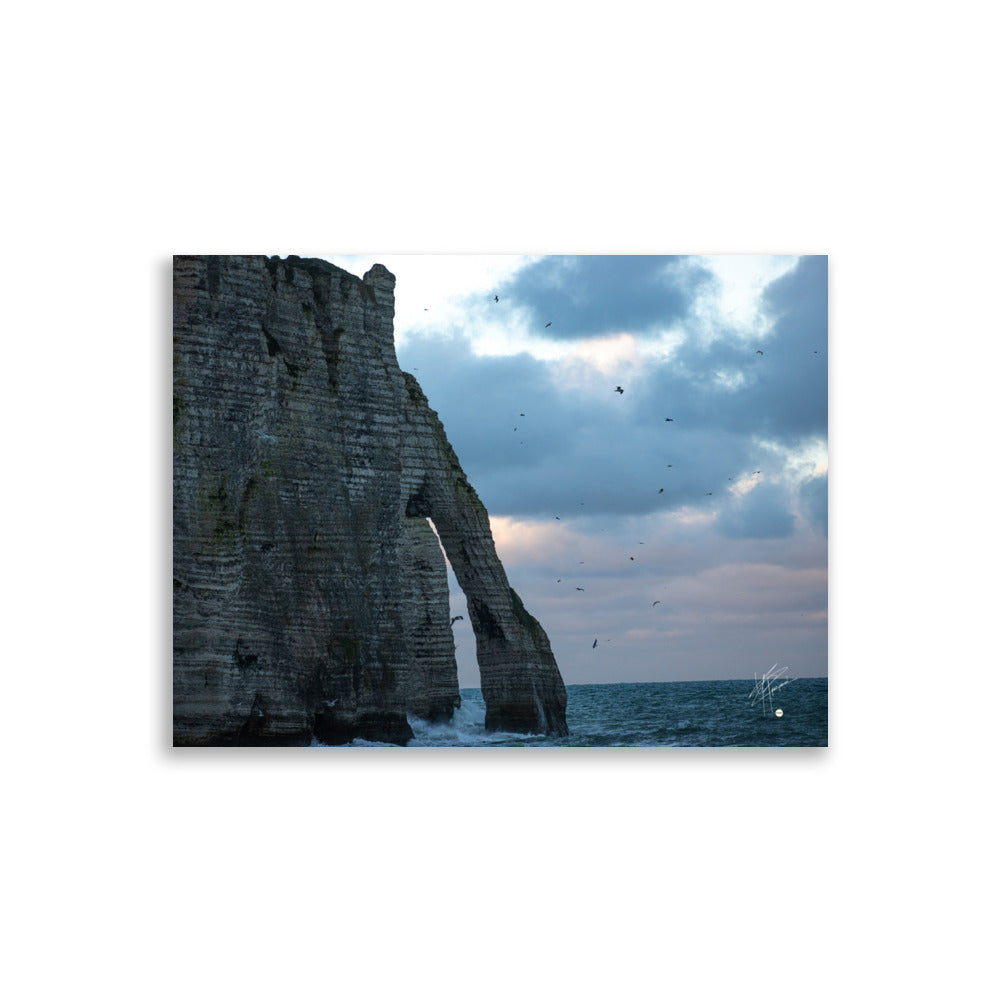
[(467, 727)]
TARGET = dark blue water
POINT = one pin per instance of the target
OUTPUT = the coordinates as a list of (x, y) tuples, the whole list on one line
[(678, 714)]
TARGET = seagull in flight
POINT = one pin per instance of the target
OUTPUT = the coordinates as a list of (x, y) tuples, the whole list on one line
[(655, 603), (496, 298), (457, 618), (761, 353), (668, 420), (620, 390), (595, 645), (547, 325)]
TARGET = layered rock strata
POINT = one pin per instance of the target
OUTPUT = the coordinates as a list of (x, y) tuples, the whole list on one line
[(310, 593), (431, 677)]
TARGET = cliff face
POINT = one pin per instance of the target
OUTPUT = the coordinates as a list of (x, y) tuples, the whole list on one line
[(310, 594)]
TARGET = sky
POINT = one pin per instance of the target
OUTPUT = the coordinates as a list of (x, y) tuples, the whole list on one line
[(682, 522)]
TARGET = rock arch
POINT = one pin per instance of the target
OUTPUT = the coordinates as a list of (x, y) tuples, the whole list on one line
[(310, 597), (520, 681)]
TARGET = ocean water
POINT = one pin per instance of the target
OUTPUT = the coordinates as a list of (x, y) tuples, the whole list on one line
[(677, 714)]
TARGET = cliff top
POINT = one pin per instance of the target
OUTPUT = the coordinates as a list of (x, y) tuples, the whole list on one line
[(317, 266)]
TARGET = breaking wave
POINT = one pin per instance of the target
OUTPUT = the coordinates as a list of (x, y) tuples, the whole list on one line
[(467, 727)]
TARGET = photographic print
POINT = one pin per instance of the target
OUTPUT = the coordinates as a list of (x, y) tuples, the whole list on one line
[(500, 500)]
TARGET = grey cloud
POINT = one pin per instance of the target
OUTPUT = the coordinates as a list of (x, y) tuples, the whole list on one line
[(588, 296), (791, 390), (763, 513), (575, 455), (815, 502), (571, 456), (781, 393), (481, 401)]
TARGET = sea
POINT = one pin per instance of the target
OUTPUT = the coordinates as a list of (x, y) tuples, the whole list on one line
[(674, 714)]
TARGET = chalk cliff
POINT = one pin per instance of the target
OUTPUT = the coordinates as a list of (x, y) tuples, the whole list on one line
[(310, 593)]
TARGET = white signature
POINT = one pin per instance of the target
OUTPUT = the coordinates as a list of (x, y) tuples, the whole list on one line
[(764, 689)]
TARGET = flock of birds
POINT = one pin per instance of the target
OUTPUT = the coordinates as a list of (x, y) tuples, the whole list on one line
[(620, 391)]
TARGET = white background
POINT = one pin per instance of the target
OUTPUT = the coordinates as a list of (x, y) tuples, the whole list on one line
[(132, 133)]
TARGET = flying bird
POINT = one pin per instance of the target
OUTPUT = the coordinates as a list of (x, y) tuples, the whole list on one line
[(655, 603), (668, 420), (595, 645), (496, 298), (760, 352), (457, 618), (547, 325), (579, 588), (661, 489), (619, 389)]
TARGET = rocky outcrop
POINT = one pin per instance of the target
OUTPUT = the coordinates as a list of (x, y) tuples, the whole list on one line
[(431, 676), (310, 594), (519, 678)]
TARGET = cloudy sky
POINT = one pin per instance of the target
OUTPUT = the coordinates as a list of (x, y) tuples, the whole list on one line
[(682, 523)]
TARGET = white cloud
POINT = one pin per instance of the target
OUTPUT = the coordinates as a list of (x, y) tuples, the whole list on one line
[(809, 460), (733, 302), (431, 289)]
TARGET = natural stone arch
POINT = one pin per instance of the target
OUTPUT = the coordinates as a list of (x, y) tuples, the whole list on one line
[(303, 462), (520, 681)]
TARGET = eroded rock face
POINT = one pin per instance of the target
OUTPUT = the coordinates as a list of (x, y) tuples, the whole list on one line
[(310, 596), (431, 677)]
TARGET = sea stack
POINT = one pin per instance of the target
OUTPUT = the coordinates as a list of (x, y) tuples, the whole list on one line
[(310, 594)]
